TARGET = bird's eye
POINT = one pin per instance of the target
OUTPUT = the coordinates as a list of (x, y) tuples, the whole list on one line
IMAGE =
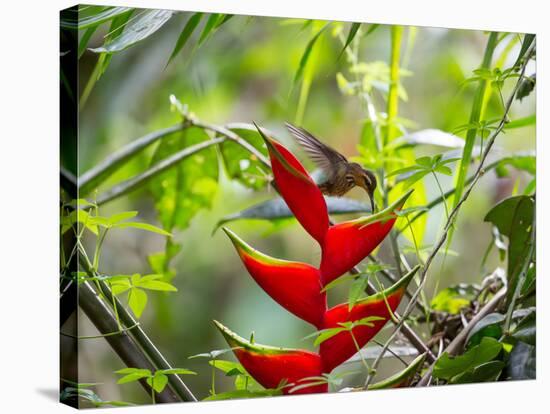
[(349, 179)]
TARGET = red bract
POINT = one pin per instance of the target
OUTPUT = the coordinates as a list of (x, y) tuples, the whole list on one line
[(340, 347), (348, 243), (293, 285), (272, 366), (298, 189)]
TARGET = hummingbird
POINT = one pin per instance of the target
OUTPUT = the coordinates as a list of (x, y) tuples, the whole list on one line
[(341, 175)]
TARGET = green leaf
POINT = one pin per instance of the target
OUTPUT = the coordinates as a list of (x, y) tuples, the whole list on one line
[(137, 300), (425, 162), (94, 19), (489, 326), (141, 27), (181, 192), (351, 35), (414, 178), (338, 281), (447, 367), (239, 163), (514, 218), (526, 330), (450, 300), (80, 216), (158, 381), (227, 366), (156, 285), (306, 54), (326, 334), (210, 25), (522, 363), (141, 226), (133, 371), (307, 385), (212, 354), (83, 43), (242, 394), (133, 377), (356, 290), (443, 169), (185, 34), (402, 378), (522, 122), (487, 372), (367, 321), (224, 19), (115, 30), (406, 170), (527, 40), (276, 209), (178, 371), (125, 215)]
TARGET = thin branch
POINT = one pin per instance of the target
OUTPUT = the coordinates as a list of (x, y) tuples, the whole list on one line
[(227, 133), (458, 342)]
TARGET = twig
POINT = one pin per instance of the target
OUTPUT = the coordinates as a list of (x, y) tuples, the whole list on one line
[(457, 343), (450, 220), (227, 133)]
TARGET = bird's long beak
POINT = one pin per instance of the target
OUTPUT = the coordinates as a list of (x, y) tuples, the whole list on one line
[(372, 205)]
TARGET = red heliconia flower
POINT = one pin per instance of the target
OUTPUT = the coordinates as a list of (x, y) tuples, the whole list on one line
[(273, 366), (298, 189), (341, 347), (348, 243), (293, 285)]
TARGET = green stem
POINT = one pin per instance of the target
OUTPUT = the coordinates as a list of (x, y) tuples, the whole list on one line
[(97, 253), (213, 379), (478, 108), (94, 76), (442, 194), (393, 97), (363, 361)]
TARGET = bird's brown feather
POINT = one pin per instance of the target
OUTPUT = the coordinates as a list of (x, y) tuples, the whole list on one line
[(328, 159)]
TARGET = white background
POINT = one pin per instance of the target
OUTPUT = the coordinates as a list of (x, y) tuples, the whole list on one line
[(29, 140)]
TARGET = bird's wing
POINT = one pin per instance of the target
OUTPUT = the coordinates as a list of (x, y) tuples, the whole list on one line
[(326, 158)]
